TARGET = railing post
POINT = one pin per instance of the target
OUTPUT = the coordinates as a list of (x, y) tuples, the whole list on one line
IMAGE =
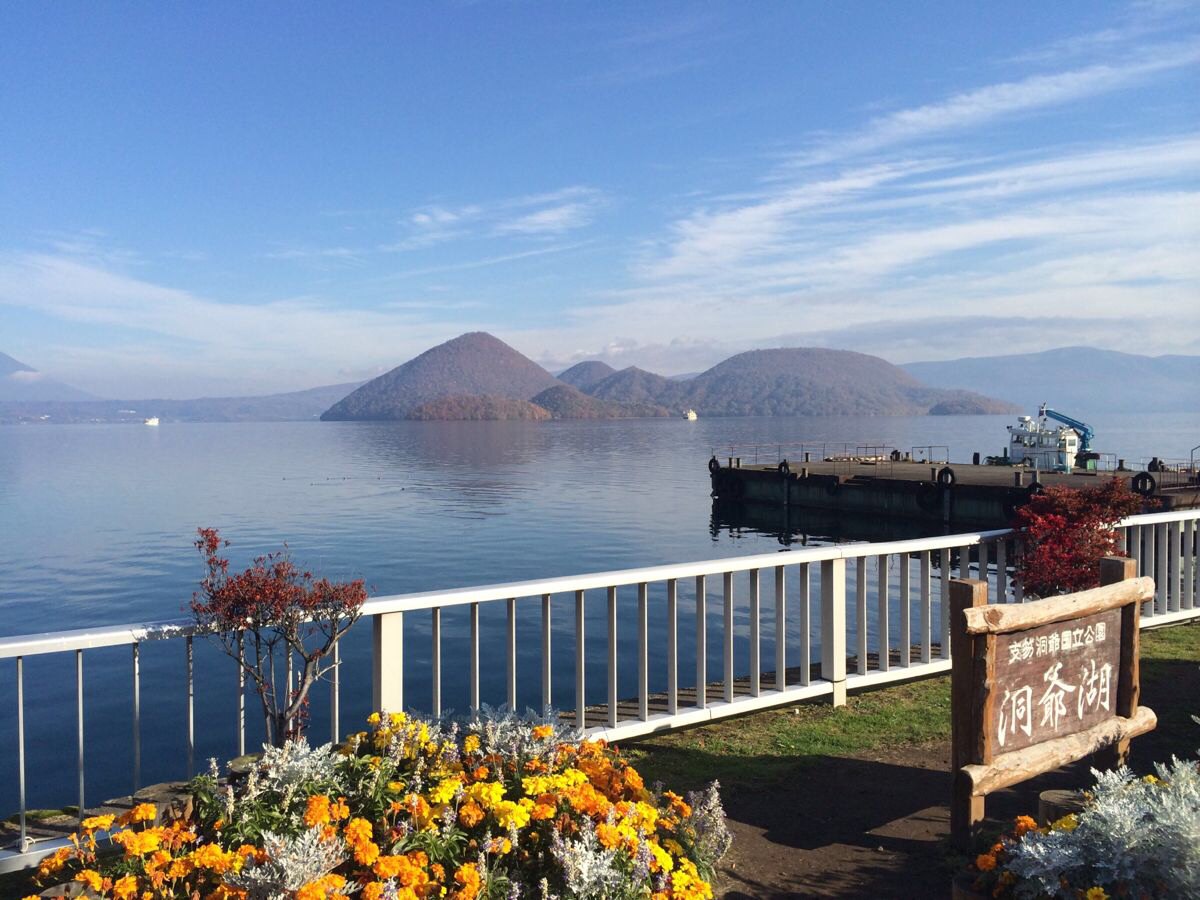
[(833, 627), (387, 662), (1114, 569), (966, 809)]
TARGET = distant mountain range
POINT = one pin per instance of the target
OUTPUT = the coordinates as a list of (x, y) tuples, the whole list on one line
[(289, 407), (477, 376), (1078, 381), (21, 383), (472, 375)]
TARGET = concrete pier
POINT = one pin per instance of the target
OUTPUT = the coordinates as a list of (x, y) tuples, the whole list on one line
[(966, 494)]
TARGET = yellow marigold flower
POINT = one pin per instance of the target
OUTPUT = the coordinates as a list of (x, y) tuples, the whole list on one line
[(96, 823), (662, 859), (397, 719), (1023, 825), (471, 743), (486, 793), (91, 878), (985, 862), (1149, 779), (511, 815), (373, 719), (126, 887), (1068, 822), (444, 791), (1095, 893), (541, 732)]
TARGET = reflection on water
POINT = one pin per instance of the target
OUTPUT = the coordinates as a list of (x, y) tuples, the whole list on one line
[(803, 527), (97, 523)]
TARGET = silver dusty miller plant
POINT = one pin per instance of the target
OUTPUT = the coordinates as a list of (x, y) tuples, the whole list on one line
[(1137, 837), (291, 863)]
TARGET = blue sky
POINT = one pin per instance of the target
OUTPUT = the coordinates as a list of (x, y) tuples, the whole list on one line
[(244, 198)]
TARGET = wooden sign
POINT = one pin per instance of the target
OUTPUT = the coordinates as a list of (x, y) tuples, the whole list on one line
[(1054, 680), (1042, 684)]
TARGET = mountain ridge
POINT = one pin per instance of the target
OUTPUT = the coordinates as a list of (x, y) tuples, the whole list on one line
[(1076, 380), (23, 383), (475, 364)]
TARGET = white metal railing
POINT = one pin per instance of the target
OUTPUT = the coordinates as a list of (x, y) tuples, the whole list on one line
[(876, 613)]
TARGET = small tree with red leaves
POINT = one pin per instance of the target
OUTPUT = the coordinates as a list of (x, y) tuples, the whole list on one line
[(266, 616), (1068, 532)]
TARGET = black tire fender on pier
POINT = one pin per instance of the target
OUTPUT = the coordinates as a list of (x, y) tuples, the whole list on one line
[(928, 495), (784, 468), (946, 477), (713, 466), (1143, 483)]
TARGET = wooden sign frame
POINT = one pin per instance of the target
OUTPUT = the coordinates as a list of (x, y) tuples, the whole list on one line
[(976, 766)]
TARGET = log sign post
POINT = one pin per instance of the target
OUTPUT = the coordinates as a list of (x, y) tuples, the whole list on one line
[(1042, 684)]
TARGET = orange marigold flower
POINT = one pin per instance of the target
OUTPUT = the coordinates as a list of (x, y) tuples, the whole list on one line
[(53, 862), (138, 843), (372, 890), (1023, 825), (365, 853), (96, 823), (467, 881), (470, 814), (389, 866), (541, 732), (317, 811), (125, 888), (339, 810), (91, 878), (985, 862)]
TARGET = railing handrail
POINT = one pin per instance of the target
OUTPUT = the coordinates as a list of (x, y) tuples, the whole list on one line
[(127, 634)]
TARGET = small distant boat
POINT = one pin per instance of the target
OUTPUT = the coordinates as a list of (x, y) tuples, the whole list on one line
[(690, 415), (153, 420)]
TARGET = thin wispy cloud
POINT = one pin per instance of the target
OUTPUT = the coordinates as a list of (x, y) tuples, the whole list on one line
[(990, 103)]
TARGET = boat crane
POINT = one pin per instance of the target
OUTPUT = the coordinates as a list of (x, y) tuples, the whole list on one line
[(1085, 431)]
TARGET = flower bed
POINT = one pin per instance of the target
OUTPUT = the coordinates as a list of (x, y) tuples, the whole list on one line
[(502, 807), (1137, 837)]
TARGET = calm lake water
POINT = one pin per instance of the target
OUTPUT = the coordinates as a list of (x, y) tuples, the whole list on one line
[(96, 523)]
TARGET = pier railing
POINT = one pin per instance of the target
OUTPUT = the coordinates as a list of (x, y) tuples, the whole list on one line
[(730, 636)]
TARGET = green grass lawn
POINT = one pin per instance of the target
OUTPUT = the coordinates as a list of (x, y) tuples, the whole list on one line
[(764, 746)]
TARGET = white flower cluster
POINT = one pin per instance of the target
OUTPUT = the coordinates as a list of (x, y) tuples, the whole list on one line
[(1141, 833)]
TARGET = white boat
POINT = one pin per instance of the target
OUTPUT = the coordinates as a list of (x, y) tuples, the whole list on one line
[(1037, 443), (690, 415), (153, 420)]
